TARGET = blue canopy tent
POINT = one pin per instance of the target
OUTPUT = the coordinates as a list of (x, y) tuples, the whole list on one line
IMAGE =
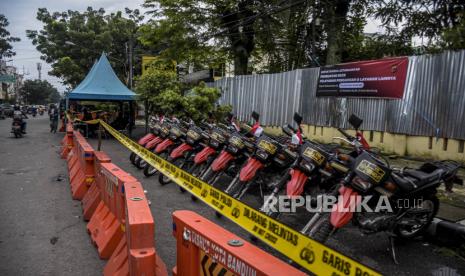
[(102, 84)]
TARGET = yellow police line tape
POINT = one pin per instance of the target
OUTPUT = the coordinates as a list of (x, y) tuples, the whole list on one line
[(306, 252)]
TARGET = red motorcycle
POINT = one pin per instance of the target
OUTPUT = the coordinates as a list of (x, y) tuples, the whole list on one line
[(204, 158), (161, 131), (229, 159), (268, 161), (316, 169), (163, 149), (181, 156), (142, 141)]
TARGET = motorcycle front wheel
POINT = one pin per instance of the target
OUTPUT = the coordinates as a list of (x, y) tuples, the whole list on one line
[(166, 180), (417, 219), (237, 188), (149, 170), (132, 156), (322, 229), (197, 170)]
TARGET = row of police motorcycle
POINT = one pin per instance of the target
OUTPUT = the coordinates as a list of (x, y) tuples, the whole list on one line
[(292, 165)]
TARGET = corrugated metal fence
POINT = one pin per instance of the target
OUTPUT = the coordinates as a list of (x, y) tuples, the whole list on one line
[(433, 102)]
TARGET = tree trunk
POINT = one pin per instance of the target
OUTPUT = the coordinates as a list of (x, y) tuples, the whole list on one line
[(240, 26), (336, 18), (241, 60)]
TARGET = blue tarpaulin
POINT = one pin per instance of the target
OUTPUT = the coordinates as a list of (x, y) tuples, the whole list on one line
[(102, 84)]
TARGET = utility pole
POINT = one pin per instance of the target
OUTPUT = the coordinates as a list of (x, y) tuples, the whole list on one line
[(130, 63), (39, 69)]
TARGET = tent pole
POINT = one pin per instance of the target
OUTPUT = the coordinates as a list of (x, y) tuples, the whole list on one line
[(66, 108), (146, 113), (131, 117)]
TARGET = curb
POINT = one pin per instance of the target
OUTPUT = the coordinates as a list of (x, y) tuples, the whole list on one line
[(447, 231)]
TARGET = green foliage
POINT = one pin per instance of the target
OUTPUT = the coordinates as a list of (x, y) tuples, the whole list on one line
[(162, 91), (72, 41), (438, 22), (454, 37), (38, 92), (154, 82), (171, 102), (201, 101), (6, 39)]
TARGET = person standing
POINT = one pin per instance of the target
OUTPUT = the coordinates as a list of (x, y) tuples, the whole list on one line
[(53, 113)]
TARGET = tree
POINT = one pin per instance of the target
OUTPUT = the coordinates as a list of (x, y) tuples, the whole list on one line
[(72, 41), (155, 81), (437, 21), (38, 92), (225, 23), (6, 39)]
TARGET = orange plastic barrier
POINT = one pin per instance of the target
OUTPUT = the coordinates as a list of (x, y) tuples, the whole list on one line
[(81, 171), (92, 198), (67, 142), (106, 226), (135, 254), (204, 248), (62, 128)]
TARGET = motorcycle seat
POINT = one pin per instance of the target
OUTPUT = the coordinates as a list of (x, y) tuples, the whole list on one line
[(411, 179)]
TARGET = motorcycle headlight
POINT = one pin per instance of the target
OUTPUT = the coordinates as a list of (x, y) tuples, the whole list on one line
[(232, 149), (361, 184), (306, 166), (214, 143), (262, 155)]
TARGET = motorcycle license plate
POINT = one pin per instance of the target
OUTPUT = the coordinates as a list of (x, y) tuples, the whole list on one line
[(236, 141), (165, 130), (314, 155), (193, 135), (176, 131), (371, 170), (217, 137), (267, 146)]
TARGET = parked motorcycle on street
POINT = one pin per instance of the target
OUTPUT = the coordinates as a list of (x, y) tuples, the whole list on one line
[(163, 149), (182, 155), (268, 161), (410, 194), (316, 169)]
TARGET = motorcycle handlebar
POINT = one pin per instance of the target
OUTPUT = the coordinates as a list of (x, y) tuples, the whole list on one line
[(347, 135)]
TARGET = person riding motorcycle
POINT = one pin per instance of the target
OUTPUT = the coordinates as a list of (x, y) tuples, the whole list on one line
[(19, 115)]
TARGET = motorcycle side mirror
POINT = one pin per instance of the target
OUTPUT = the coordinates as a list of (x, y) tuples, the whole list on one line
[(297, 118), (355, 121), (255, 115), (287, 130), (291, 128)]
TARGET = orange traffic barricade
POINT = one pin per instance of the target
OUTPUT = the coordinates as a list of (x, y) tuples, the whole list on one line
[(67, 142), (106, 226), (204, 248), (136, 254), (82, 173), (92, 198)]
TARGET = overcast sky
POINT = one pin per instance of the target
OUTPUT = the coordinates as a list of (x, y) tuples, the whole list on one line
[(22, 16)]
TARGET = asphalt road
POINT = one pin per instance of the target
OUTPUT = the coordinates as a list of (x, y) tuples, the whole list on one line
[(41, 229), (35, 209)]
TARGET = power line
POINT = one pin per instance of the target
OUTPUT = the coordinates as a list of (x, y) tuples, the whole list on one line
[(247, 20), (234, 21)]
